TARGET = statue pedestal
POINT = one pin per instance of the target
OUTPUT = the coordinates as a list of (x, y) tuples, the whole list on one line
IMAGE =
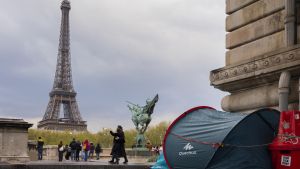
[(140, 140), (13, 140), (140, 149), (139, 152)]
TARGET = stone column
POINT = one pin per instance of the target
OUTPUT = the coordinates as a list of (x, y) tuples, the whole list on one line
[(297, 14), (290, 19), (13, 140), (290, 40), (284, 90)]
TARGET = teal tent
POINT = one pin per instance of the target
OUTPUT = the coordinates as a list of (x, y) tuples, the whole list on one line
[(204, 138)]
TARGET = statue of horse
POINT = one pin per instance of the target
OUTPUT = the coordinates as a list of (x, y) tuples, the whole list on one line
[(141, 116)]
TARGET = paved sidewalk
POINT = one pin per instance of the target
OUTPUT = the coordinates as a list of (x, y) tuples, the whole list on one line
[(92, 164), (89, 162)]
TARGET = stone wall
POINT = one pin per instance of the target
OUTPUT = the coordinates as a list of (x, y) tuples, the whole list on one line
[(50, 153), (254, 30), (262, 41), (13, 140)]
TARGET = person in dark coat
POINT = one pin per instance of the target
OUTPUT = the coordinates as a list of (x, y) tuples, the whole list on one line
[(118, 149), (98, 150), (78, 149), (60, 149), (72, 145), (67, 149), (40, 144)]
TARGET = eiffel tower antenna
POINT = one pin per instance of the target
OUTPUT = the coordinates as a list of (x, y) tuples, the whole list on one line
[(62, 112)]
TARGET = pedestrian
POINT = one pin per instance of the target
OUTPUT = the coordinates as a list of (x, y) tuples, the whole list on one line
[(40, 144), (60, 149), (82, 152), (160, 149), (156, 150), (67, 149), (72, 145), (92, 149), (78, 149), (148, 145), (86, 149), (118, 149), (98, 150)]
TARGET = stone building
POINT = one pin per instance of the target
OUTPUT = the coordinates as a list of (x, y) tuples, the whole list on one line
[(263, 55)]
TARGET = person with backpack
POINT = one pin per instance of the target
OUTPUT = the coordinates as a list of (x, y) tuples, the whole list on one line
[(86, 149)]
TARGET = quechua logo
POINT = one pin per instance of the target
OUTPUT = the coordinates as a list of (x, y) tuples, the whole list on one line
[(188, 147)]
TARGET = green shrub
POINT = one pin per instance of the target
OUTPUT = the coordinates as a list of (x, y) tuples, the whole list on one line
[(155, 134)]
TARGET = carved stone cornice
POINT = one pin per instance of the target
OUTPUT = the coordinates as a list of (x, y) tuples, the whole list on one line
[(260, 70), (14, 123)]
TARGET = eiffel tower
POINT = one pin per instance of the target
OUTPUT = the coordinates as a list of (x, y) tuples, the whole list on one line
[(62, 112)]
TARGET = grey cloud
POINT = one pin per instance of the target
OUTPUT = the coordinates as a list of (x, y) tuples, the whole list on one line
[(121, 50)]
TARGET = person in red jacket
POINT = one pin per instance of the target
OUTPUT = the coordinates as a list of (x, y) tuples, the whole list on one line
[(86, 149)]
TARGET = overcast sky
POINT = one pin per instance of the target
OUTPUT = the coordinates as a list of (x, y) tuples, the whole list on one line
[(122, 50)]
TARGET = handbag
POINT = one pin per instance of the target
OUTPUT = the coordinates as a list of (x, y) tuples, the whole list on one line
[(61, 148)]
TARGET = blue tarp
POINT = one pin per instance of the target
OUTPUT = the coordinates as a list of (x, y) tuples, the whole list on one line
[(160, 163)]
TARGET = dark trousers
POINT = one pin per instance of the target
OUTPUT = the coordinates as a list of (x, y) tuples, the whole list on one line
[(60, 155), (40, 154), (125, 158), (115, 157), (73, 154), (91, 154), (98, 156), (77, 155)]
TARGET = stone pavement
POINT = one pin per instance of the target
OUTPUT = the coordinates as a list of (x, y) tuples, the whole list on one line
[(92, 164)]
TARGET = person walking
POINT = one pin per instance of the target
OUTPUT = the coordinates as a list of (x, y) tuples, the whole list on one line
[(60, 149), (40, 145), (118, 149), (98, 150), (92, 149), (72, 145), (123, 148), (86, 148)]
